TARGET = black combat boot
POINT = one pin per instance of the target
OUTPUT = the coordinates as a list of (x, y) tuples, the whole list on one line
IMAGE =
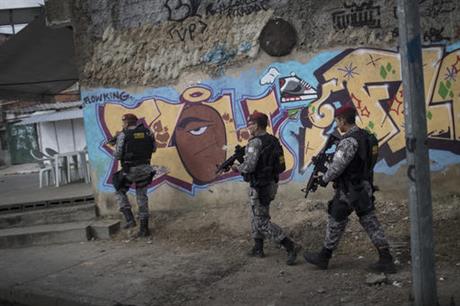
[(130, 222), (292, 249), (144, 228), (321, 259), (385, 263), (258, 249)]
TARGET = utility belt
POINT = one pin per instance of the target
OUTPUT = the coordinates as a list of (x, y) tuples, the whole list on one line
[(133, 163), (357, 195), (259, 180), (120, 181), (347, 185)]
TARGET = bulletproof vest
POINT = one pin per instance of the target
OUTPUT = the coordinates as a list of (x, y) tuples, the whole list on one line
[(267, 169), (359, 168), (138, 146)]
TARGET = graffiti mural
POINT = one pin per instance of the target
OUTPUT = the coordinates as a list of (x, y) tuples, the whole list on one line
[(371, 81), (194, 134), (199, 127)]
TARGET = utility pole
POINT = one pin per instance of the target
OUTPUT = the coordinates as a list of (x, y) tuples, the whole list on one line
[(418, 162)]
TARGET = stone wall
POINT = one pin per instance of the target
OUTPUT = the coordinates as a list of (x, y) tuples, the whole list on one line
[(193, 70), (150, 43)]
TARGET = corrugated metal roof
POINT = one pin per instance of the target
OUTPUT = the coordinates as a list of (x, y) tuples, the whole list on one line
[(53, 116), (44, 107)]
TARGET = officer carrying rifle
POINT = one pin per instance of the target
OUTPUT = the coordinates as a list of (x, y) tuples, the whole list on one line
[(134, 147), (351, 171), (261, 165)]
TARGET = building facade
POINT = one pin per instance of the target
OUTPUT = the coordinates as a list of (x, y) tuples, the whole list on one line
[(193, 70)]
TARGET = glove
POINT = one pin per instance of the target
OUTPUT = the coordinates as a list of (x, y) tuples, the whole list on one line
[(321, 182)]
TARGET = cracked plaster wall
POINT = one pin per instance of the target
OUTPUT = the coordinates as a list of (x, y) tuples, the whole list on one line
[(150, 43)]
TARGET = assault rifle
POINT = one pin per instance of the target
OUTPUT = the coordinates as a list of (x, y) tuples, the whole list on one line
[(113, 140), (319, 162), (238, 155)]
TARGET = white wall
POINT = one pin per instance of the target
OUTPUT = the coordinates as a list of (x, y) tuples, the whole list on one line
[(62, 136), (79, 132)]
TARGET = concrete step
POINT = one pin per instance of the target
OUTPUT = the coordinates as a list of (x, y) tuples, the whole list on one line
[(64, 214), (104, 229), (44, 234), (57, 233), (45, 204)]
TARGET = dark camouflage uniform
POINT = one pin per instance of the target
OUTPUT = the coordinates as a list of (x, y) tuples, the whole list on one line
[(260, 198), (135, 174), (345, 152)]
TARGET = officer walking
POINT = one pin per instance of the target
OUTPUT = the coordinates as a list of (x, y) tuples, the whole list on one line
[(259, 170), (351, 173), (134, 148)]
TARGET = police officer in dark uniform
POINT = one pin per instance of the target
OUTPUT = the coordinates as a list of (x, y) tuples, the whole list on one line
[(258, 170), (134, 148), (351, 173)]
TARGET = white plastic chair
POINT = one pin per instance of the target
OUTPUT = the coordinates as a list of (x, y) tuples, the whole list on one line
[(46, 171), (64, 166)]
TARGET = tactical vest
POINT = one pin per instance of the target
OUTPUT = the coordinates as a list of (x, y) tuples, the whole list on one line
[(268, 165), (138, 146), (360, 168)]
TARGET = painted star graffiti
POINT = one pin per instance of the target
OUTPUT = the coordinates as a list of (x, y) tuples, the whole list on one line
[(451, 74), (373, 60), (349, 71)]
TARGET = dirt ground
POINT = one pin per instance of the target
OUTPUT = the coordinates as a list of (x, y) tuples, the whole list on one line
[(223, 275)]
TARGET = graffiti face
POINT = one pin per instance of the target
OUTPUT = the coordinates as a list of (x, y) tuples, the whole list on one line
[(200, 140)]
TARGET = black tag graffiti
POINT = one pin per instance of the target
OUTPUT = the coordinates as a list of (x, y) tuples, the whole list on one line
[(179, 10), (354, 15)]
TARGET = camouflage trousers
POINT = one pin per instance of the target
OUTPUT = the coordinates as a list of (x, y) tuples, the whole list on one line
[(135, 175), (261, 226), (369, 222)]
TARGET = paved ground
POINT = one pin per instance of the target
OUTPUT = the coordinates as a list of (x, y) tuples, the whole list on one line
[(19, 169), (195, 260), (192, 260), (135, 273), (23, 188)]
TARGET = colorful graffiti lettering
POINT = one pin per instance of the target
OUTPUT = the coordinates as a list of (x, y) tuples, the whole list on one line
[(199, 128), (371, 80)]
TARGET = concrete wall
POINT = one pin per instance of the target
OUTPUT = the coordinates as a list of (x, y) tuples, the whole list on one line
[(194, 70)]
